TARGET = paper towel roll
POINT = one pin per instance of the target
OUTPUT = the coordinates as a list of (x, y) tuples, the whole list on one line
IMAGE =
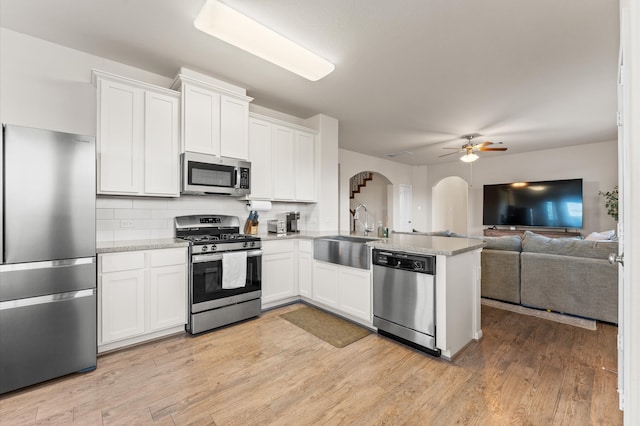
[(258, 205)]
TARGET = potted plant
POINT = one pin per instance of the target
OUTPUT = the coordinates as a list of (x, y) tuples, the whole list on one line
[(611, 202)]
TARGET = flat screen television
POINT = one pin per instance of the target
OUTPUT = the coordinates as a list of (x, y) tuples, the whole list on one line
[(553, 204)]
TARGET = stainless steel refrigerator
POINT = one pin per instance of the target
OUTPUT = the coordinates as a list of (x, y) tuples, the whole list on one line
[(48, 256)]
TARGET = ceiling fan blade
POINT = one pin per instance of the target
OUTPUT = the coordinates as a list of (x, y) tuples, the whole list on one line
[(451, 153), (492, 149), (482, 145), (451, 148)]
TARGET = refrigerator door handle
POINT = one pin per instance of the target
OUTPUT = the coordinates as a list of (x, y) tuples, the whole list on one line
[(49, 298), (47, 264)]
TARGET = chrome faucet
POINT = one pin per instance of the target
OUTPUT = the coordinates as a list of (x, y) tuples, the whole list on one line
[(356, 215)]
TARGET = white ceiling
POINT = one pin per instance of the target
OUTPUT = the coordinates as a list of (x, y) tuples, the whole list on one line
[(411, 75)]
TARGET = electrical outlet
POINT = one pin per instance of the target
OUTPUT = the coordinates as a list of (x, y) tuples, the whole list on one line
[(126, 224)]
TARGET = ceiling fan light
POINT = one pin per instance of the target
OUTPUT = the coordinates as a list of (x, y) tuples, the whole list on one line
[(469, 158), (226, 24)]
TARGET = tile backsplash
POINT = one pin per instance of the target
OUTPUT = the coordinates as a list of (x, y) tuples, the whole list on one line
[(128, 218)]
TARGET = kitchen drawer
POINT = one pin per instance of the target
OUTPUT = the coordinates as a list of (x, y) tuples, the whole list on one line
[(126, 261), (166, 257), (273, 247)]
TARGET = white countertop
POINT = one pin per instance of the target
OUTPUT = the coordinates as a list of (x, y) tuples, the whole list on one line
[(308, 235), (419, 244), (133, 245), (423, 244), (410, 243)]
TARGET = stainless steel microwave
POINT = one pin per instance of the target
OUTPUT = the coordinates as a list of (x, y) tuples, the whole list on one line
[(207, 174)]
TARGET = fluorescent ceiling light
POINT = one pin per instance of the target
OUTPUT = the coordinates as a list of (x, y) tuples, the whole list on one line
[(222, 22)]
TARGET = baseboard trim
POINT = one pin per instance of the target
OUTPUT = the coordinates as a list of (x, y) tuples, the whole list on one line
[(551, 316)]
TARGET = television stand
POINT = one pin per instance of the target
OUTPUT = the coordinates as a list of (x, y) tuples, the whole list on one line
[(557, 233)]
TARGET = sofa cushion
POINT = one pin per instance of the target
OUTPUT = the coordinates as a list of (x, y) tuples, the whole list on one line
[(601, 236), (500, 277), (506, 242), (571, 285), (535, 243)]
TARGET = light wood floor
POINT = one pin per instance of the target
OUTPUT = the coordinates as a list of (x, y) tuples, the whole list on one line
[(525, 371)]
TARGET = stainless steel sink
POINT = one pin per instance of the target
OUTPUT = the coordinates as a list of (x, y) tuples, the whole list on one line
[(344, 250)]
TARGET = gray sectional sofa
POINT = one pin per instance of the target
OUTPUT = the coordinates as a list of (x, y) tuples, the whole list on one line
[(564, 275)]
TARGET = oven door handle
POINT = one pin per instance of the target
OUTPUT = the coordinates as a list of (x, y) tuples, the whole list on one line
[(201, 258), (214, 257)]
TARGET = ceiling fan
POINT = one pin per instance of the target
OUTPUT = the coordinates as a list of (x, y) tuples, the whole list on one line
[(470, 148)]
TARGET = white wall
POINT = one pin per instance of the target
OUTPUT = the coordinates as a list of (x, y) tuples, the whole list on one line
[(324, 214), (421, 204), (450, 205), (374, 196), (352, 163), (595, 163), (46, 85)]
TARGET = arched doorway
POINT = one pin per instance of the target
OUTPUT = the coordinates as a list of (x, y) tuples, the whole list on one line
[(368, 188), (450, 205)]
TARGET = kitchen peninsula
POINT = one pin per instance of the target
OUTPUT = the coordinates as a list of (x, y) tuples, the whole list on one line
[(457, 284)]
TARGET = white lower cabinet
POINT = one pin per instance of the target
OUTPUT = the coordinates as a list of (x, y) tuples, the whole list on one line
[(278, 271), (348, 290), (141, 295), (167, 299), (305, 268), (355, 292), (290, 273), (326, 278), (122, 302)]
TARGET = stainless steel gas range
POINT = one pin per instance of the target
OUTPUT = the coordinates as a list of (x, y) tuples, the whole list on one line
[(225, 271)]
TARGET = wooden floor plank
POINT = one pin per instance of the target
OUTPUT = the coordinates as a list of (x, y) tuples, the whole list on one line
[(525, 370)]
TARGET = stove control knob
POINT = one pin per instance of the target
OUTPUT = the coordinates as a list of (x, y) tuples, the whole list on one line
[(253, 243), (204, 249), (245, 244), (213, 247)]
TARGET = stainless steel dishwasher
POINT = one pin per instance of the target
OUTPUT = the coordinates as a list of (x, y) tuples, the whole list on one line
[(404, 306)]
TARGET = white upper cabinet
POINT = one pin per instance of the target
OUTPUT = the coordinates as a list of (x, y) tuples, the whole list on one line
[(161, 140), (215, 116), (234, 118), (305, 166), (260, 158), (138, 138), (119, 141), (283, 151), (283, 160), (201, 118)]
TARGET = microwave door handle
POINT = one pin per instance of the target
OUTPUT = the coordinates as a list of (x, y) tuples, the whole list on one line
[(236, 184)]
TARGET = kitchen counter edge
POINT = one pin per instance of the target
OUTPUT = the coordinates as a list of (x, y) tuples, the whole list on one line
[(134, 245), (447, 246), (305, 235), (434, 246), (407, 243)]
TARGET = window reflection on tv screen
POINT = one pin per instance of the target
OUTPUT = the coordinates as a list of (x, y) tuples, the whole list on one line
[(556, 203)]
